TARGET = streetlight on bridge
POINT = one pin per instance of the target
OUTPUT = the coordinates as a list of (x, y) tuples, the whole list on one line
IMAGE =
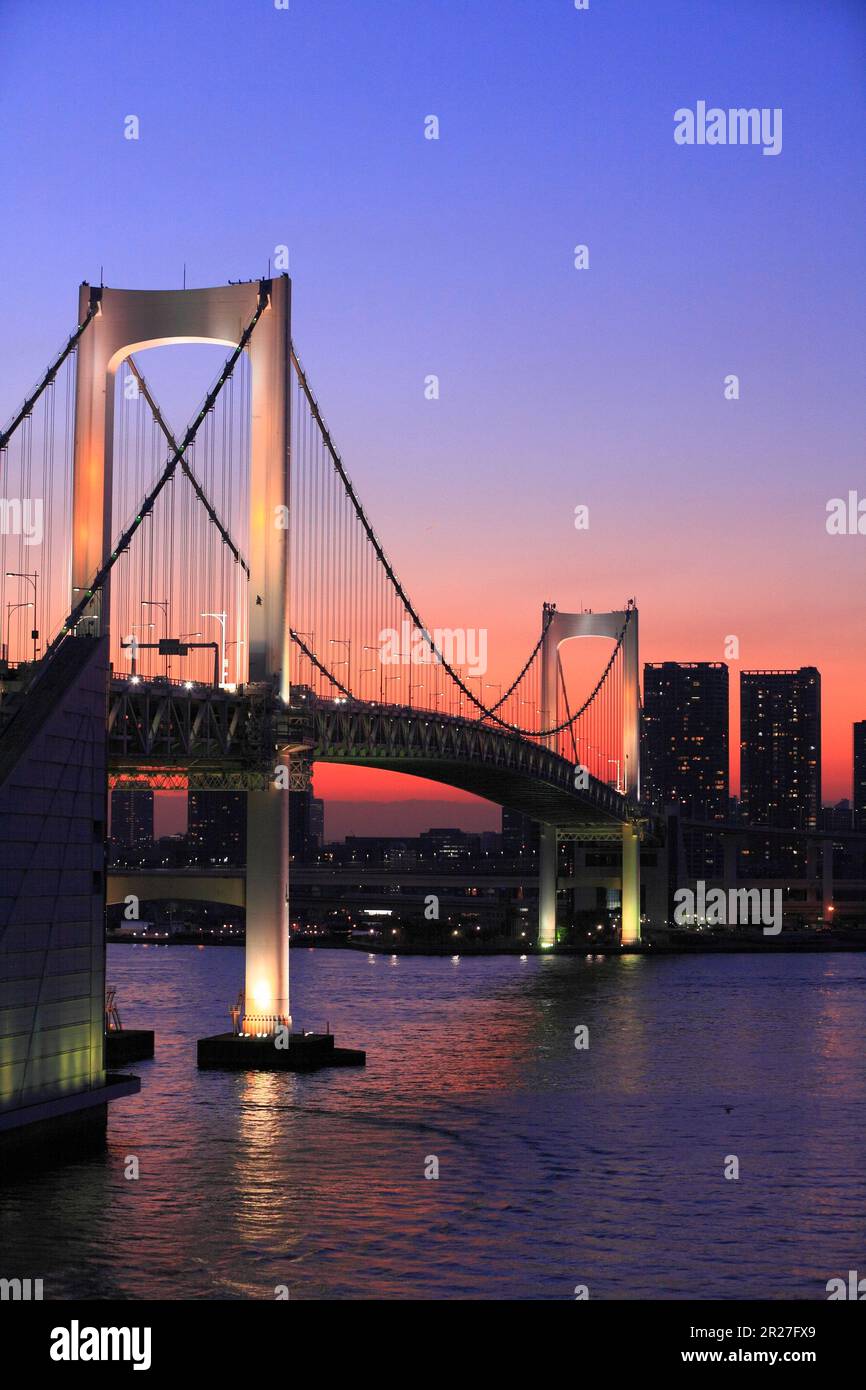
[(221, 619), (162, 604), (493, 685), (10, 609), (371, 670), (238, 642), (347, 643), (34, 580)]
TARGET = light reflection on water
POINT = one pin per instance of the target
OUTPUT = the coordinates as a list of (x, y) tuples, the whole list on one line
[(557, 1166)]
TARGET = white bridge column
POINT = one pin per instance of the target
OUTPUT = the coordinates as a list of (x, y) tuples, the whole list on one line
[(267, 949), (547, 865), (130, 321), (630, 903)]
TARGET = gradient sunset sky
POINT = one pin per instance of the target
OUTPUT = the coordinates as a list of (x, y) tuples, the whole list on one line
[(305, 127)]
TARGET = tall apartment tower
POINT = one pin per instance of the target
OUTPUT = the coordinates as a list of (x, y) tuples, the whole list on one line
[(132, 816), (216, 826), (684, 755), (780, 747)]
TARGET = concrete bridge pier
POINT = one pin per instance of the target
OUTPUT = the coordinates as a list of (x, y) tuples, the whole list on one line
[(547, 868), (267, 894), (266, 1041), (630, 901)]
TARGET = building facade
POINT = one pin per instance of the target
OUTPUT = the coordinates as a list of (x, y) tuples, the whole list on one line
[(684, 756), (54, 1088), (132, 816), (216, 827), (780, 748)]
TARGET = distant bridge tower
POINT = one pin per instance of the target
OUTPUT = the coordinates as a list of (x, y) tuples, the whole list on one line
[(129, 321), (562, 628)]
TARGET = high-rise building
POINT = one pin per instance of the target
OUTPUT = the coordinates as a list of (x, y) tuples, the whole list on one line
[(317, 822), (859, 798), (519, 835), (684, 737), (216, 827), (838, 817), (132, 816), (780, 748), (446, 844), (306, 825)]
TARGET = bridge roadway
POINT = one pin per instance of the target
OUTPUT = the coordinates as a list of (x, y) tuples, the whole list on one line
[(214, 883), (175, 734)]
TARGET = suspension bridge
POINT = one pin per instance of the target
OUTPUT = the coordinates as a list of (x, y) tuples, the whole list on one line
[(227, 594)]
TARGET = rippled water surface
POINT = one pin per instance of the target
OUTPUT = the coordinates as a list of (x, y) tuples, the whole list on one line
[(557, 1167)]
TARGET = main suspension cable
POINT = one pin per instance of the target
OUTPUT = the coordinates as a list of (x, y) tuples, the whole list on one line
[(486, 712), (49, 375)]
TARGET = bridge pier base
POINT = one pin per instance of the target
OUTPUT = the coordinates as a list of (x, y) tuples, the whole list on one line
[(630, 930), (547, 867), (266, 997)]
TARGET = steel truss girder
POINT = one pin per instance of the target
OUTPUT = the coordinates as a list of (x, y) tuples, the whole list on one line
[(193, 779), (166, 736), (348, 731), (220, 731), (598, 833)]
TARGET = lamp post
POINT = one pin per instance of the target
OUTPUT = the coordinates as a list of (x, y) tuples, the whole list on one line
[(492, 685), (378, 651), (137, 627), (480, 705), (10, 609), (161, 604), (238, 642), (34, 580), (347, 643), (371, 670), (346, 687), (183, 636), (221, 619)]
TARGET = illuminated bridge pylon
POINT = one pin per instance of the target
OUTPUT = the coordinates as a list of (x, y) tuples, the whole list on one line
[(130, 321), (610, 731)]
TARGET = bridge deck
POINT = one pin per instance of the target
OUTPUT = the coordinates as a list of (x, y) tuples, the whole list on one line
[(237, 738)]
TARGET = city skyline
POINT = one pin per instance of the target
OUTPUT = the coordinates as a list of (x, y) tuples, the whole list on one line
[(377, 806)]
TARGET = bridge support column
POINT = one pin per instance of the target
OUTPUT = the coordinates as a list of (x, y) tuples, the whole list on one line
[(630, 930), (267, 949), (547, 866)]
